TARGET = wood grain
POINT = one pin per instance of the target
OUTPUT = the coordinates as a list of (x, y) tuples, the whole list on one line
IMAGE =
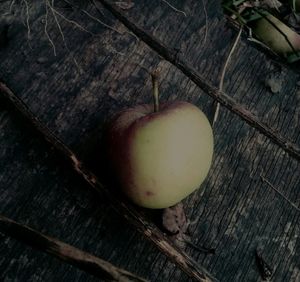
[(234, 211), (246, 78), (67, 253), (125, 209), (226, 101)]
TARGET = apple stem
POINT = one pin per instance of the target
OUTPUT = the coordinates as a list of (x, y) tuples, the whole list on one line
[(154, 76)]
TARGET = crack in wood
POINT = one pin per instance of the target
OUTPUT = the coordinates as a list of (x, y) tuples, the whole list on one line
[(225, 100)]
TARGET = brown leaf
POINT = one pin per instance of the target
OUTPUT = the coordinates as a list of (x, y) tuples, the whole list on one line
[(174, 219)]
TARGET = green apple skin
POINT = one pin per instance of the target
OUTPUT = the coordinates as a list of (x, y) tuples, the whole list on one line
[(273, 38), (160, 157)]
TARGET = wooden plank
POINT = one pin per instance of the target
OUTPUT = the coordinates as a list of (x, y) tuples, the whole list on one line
[(234, 273), (219, 96), (249, 71), (294, 270), (120, 205), (236, 212), (78, 225), (51, 199)]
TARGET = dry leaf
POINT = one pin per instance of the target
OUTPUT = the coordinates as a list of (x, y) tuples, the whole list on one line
[(174, 219)]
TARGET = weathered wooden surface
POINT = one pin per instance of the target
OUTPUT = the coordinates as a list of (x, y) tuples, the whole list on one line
[(65, 252), (235, 211), (130, 213)]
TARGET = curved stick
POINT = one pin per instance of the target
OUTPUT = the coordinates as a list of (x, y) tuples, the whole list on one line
[(65, 252)]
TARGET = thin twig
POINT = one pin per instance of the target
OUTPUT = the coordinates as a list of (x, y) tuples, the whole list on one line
[(100, 22), (46, 31), (110, 27), (256, 41), (72, 22), (94, 18), (229, 58), (155, 78), (206, 21), (106, 25), (250, 37), (224, 71), (174, 8), (57, 22), (225, 100), (27, 18), (11, 5), (65, 252), (97, 7), (277, 191), (125, 209), (62, 34)]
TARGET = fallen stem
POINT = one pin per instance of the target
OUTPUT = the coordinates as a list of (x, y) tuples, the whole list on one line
[(224, 71), (92, 17), (65, 252), (125, 209), (155, 92), (174, 8), (206, 22), (27, 18), (265, 180), (46, 30)]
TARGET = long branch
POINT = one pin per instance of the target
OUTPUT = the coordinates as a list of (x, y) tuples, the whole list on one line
[(221, 97), (128, 211), (65, 252)]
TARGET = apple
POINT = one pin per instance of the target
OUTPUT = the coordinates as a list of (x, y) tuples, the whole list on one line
[(160, 155), (276, 35)]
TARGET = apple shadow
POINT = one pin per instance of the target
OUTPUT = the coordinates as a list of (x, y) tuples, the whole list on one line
[(94, 154)]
